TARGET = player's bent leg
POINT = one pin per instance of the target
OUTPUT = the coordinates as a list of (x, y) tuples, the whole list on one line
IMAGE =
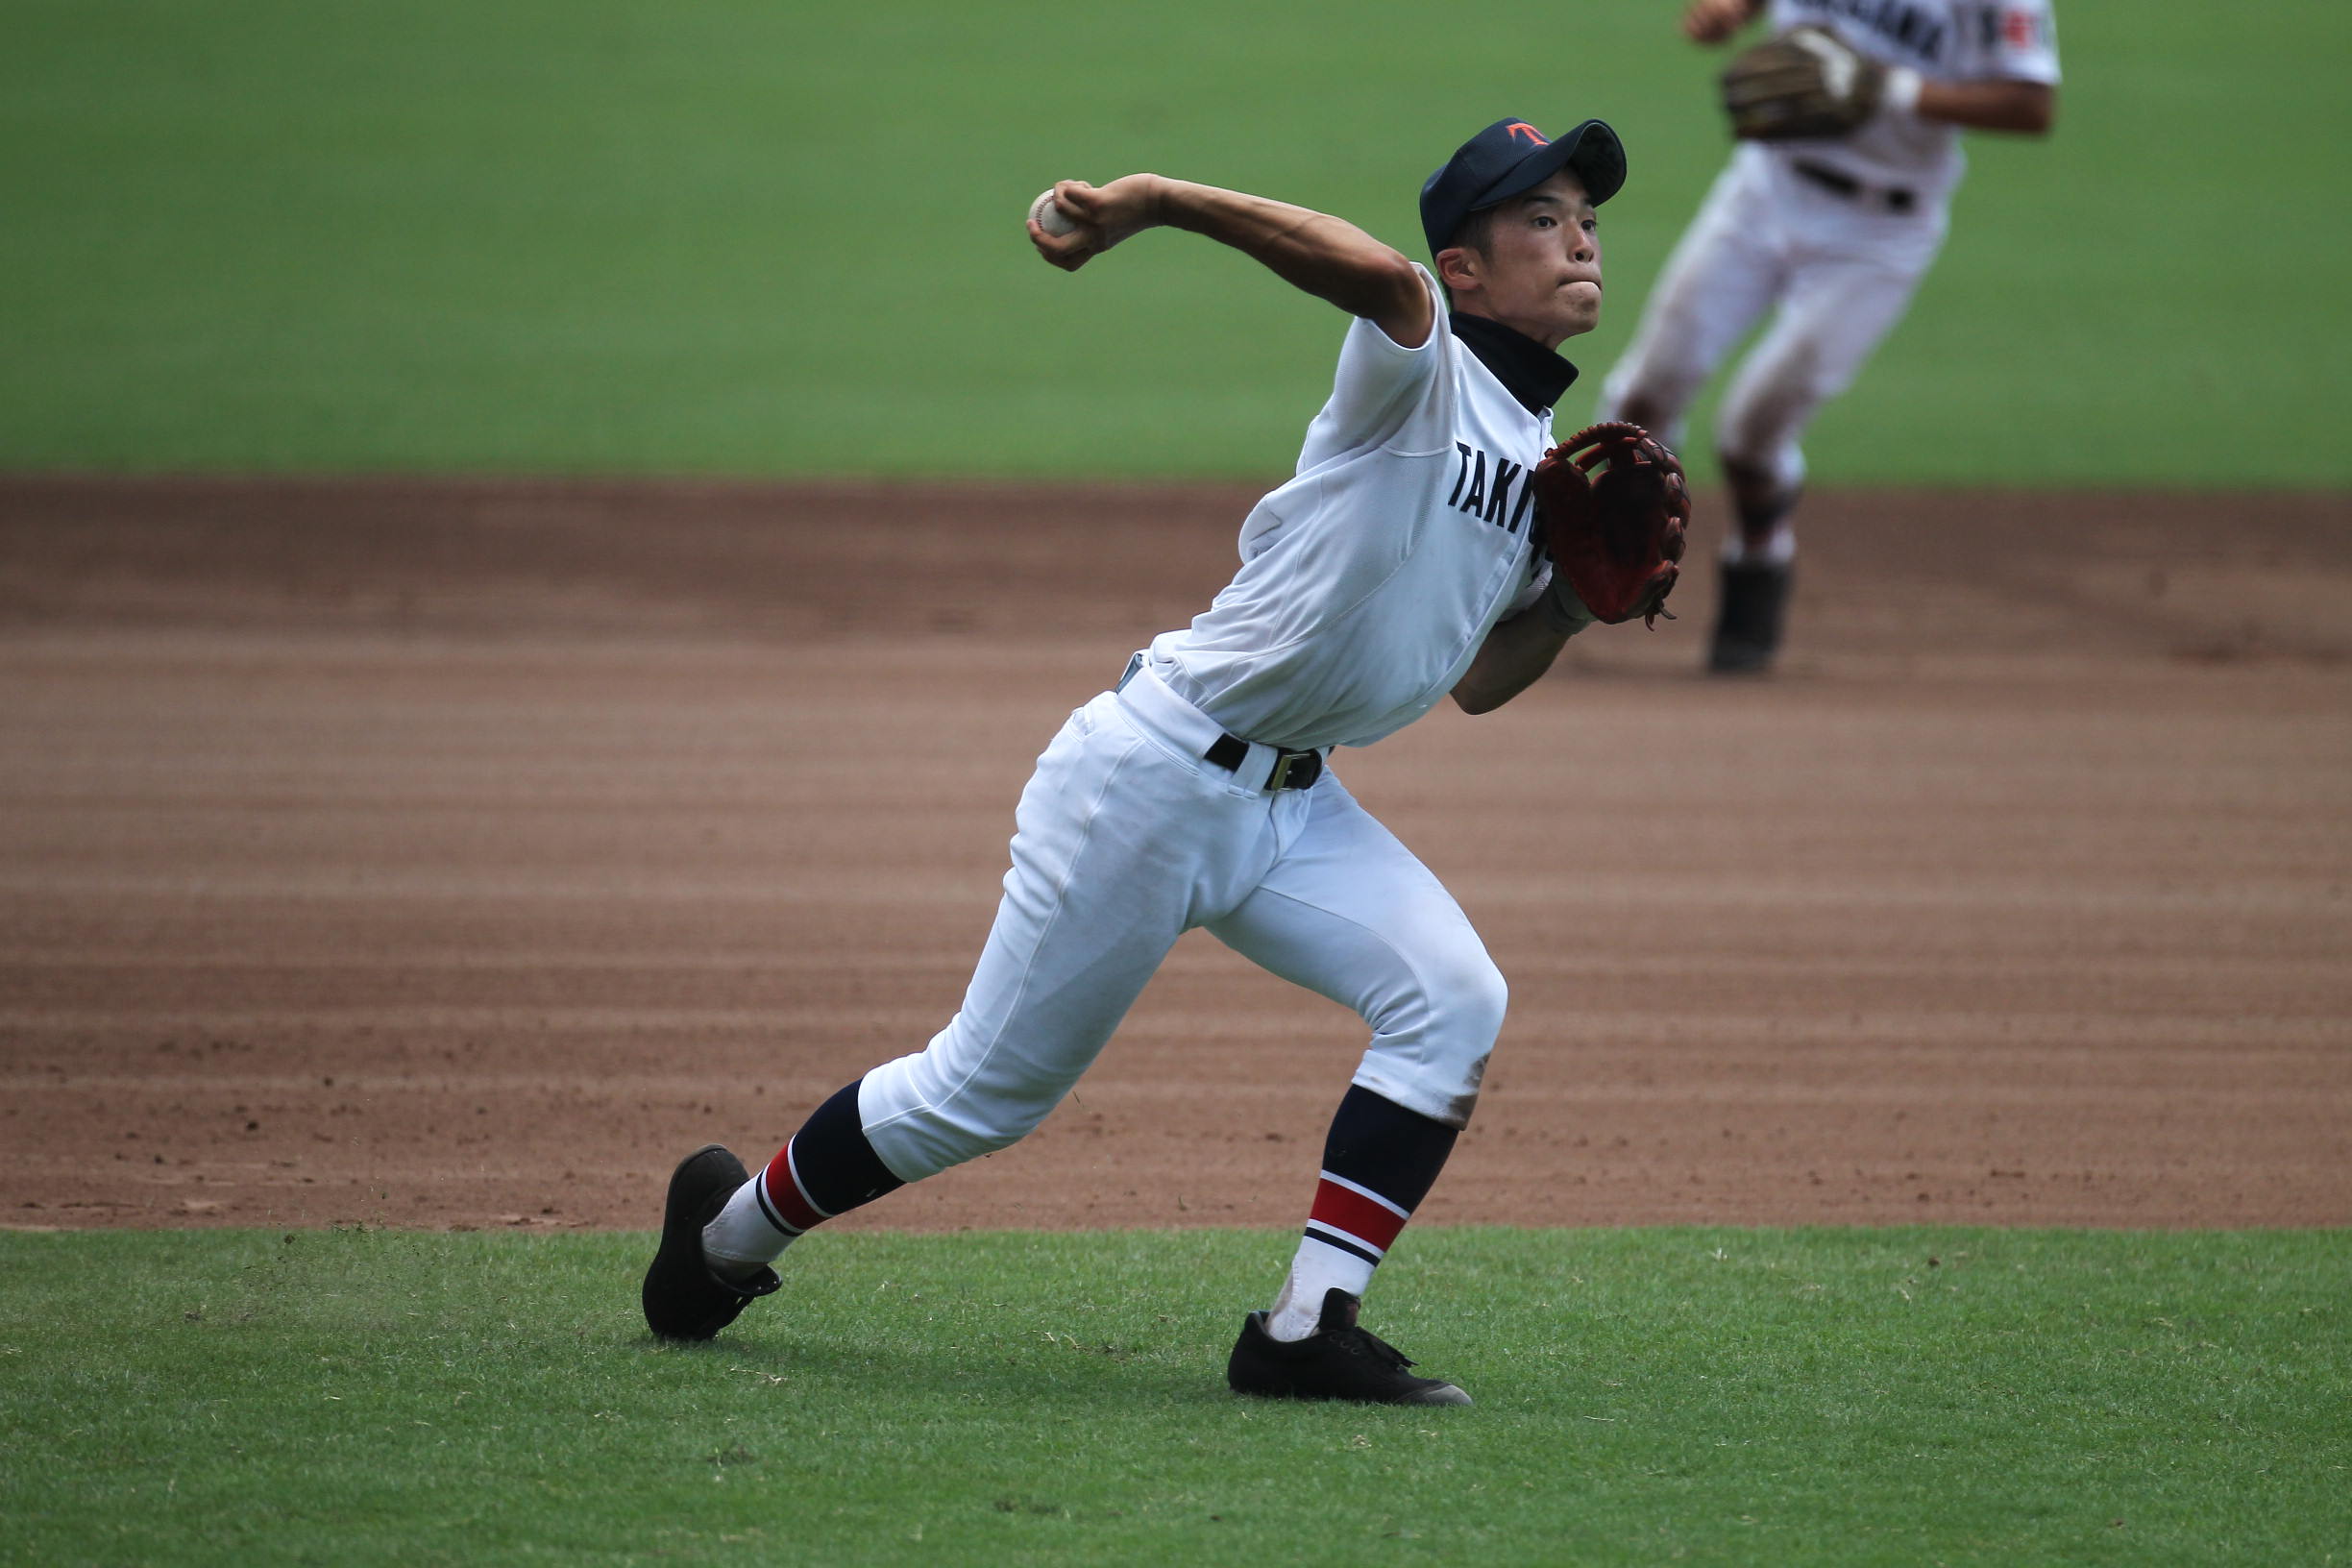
[(1350, 913), (1353, 915), (1838, 310)]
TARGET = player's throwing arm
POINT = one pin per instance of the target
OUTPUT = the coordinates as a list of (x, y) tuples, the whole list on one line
[(1327, 257)]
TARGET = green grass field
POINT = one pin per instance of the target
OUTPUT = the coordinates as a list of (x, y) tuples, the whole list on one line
[(1956, 1396), (611, 235)]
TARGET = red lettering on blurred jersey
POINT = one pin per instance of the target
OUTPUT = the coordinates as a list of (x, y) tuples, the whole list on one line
[(2018, 27)]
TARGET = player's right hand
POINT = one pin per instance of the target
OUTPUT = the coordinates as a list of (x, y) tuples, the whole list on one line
[(1712, 21), (1106, 215)]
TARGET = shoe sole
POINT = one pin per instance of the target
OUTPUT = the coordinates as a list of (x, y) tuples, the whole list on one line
[(1443, 1394), (678, 1265)]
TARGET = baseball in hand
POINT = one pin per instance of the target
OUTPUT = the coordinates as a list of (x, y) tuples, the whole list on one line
[(1052, 218)]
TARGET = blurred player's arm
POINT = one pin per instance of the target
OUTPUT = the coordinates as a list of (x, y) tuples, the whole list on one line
[(1513, 657), (1327, 257), (2029, 108)]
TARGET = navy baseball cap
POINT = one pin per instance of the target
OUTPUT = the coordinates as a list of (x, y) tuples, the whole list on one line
[(1511, 157)]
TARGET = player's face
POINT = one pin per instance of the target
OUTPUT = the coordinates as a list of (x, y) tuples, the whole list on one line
[(1541, 273)]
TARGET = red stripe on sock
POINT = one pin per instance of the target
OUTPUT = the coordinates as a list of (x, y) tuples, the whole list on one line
[(784, 1193), (1356, 1215)]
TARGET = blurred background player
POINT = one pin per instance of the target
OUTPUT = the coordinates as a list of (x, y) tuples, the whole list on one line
[(1836, 234)]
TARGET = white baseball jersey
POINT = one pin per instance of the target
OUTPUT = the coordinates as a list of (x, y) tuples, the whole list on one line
[(1944, 40), (1370, 578)]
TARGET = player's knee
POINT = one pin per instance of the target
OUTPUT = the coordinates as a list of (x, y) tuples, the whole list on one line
[(1645, 409), (1468, 1020), (1476, 997), (1429, 1052)]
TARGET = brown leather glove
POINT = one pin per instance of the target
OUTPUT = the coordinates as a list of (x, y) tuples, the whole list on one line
[(1614, 509)]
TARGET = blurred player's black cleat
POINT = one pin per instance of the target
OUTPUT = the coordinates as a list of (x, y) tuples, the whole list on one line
[(683, 1299), (1749, 617), (1338, 1361)]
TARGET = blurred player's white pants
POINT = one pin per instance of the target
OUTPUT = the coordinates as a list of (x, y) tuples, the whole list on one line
[(1842, 269), (1125, 839)]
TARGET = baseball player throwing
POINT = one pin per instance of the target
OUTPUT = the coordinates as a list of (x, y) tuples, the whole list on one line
[(1832, 206), (1400, 564)]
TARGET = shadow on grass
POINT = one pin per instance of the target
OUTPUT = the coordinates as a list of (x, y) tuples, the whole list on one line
[(1011, 1367)]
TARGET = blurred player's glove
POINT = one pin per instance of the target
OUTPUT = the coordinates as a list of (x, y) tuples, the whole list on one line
[(1804, 83), (1614, 507)]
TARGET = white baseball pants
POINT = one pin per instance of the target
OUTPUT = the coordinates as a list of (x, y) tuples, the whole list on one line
[(1842, 269), (1126, 837)]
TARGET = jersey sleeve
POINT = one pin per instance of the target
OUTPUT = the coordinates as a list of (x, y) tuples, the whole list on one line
[(2011, 40), (1386, 394)]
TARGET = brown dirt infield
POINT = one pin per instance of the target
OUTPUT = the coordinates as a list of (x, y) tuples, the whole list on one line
[(457, 854)]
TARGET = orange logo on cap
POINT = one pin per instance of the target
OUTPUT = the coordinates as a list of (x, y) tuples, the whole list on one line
[(1521, 128)]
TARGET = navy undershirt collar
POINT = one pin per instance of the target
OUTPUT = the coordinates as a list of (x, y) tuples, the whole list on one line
[(1529, 372)]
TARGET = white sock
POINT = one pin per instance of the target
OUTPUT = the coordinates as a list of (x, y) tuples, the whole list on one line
[(742, 1240), (1316, 1268)]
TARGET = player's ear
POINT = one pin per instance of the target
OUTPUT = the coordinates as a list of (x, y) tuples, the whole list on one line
[(1460, 267)]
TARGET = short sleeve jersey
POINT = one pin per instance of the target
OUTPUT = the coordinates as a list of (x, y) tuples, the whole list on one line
[(1370, 578), (1944, 40)]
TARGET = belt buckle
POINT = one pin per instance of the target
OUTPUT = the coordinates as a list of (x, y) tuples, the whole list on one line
[(1285, 761)]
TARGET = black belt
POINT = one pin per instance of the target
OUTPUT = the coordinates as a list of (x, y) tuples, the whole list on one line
[(1893, 198), (1292, 769)]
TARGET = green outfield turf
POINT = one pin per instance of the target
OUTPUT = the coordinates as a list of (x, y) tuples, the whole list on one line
[(600, 235), (1908, 1396)]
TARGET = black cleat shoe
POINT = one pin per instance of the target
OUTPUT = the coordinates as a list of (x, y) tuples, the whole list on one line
[(1749, 617), (1338, 1361), (683, 1299)]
